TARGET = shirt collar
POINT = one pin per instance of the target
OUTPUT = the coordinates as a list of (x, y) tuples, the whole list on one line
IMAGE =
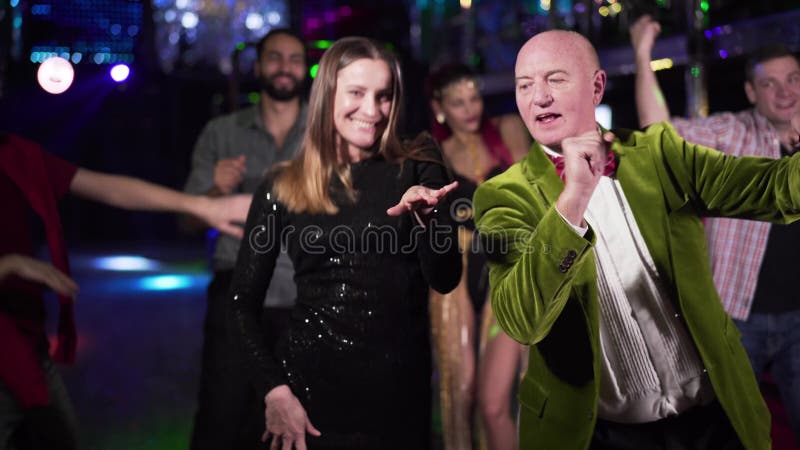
[(250, 117), (554, 154), (763, 123), (550, 152)]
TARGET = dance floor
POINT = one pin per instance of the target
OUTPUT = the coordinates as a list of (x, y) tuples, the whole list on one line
[(140, 315)]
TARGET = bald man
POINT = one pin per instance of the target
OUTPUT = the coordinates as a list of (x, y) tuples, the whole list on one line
[(598, 262)]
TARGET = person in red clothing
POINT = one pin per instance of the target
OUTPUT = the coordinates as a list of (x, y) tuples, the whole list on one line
[(35, 411)]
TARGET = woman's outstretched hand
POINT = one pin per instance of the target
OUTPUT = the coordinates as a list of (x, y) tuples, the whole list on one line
[(287, 420), (420, 199)]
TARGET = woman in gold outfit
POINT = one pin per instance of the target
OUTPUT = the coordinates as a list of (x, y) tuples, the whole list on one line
[(476, 148)]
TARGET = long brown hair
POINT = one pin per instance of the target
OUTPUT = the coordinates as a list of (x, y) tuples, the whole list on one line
[(302, 184)]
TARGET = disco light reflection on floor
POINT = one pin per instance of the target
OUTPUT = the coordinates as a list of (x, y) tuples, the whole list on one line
[(125, 263), (166, 282), (131, 273)]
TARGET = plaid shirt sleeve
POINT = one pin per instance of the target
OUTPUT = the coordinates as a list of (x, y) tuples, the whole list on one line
[(723, 131)]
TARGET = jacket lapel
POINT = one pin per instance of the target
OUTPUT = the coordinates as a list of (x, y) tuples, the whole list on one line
[(540, 173), (649, 200)]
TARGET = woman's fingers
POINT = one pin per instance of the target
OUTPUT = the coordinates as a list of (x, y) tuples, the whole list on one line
[(311, 429), (417, 196), (397, 209), (444, 190)]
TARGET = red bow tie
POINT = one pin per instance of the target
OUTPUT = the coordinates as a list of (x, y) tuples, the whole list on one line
[(609, 170)]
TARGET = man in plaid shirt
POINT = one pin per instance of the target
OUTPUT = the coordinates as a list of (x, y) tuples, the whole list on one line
[(753, 262)]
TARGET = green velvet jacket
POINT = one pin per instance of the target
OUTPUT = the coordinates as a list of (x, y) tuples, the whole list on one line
[(543, 275)]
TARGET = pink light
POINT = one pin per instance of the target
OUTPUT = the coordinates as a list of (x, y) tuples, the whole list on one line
[(313, 22), (55, 75)]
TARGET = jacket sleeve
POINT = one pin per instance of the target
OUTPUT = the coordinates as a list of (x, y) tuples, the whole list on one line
[(534, 257), (717, 184)]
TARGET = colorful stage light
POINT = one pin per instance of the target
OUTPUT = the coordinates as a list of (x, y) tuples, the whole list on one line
[(254, 21), (55, 75), (120, 73)]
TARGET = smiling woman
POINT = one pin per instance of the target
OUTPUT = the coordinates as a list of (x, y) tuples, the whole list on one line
[(353, 370), (362, 104), (366, 96)]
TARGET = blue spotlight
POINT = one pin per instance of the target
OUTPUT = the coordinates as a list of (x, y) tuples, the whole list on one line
[(120, 73)]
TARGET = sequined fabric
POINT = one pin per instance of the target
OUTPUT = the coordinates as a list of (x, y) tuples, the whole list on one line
[(357, 352)]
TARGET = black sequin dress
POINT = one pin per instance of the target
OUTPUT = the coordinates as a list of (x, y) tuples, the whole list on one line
[(357, 353)]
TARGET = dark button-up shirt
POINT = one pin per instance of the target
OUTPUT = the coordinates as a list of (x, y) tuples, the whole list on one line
[(243, 133)]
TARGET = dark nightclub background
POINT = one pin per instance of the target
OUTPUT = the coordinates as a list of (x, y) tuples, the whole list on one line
[(189, 59), (183, 75)]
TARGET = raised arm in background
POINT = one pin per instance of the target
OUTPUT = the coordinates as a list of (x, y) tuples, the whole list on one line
[(650, 103)]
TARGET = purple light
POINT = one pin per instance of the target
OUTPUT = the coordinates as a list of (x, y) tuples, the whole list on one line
[(723, 54), (313, 22), (708, 34), (120, 73)]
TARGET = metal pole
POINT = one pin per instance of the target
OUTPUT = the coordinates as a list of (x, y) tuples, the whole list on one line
[(695, 75), (468, 38)]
